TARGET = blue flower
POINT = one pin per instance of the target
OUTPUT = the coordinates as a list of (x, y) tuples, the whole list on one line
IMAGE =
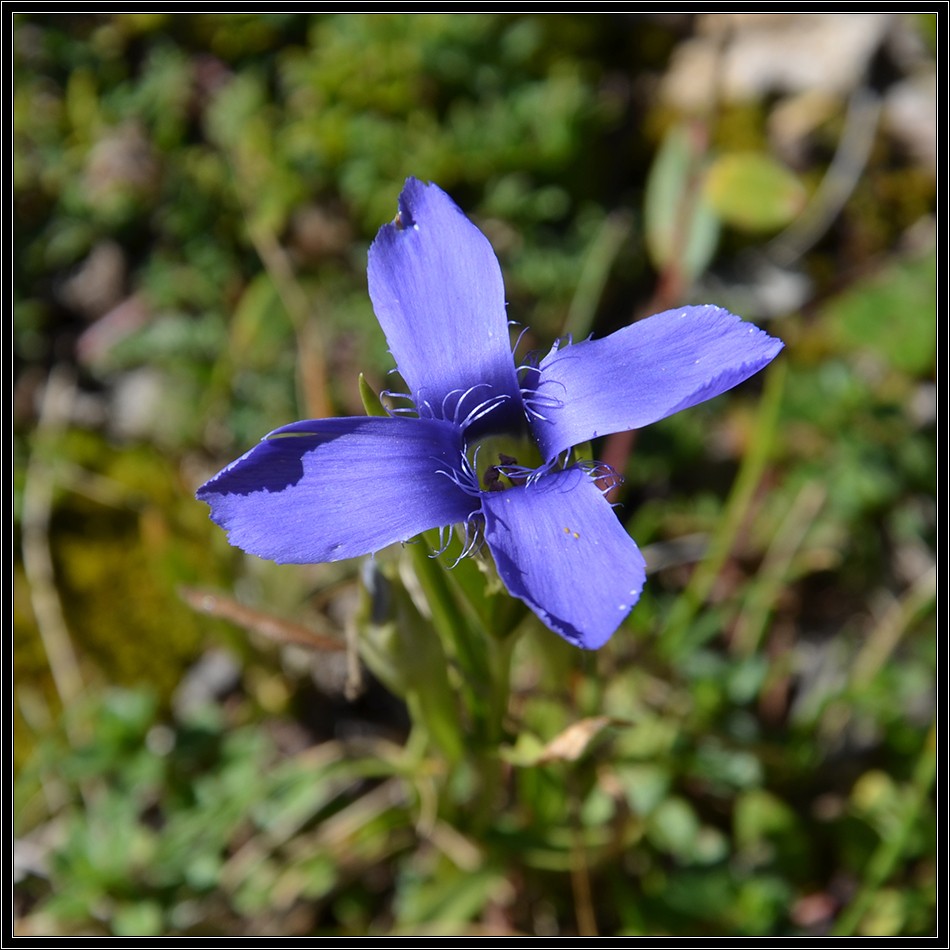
[(327, 489)]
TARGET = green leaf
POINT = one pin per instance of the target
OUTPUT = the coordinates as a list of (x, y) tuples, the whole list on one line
[(405, 652), (681, 227), (674, 828), (893, 314), (445, 895), (141, 919), (752, 191), (371, 401), (758, 815)]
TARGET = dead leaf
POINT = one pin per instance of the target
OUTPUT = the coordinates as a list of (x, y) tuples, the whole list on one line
[(572, 743)]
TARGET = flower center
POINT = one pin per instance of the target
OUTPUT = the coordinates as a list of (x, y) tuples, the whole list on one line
[(508, 469), (503, 461)]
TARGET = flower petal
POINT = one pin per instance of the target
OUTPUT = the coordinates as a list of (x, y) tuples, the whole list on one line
[(327, 489), (643, 373), (558, 546), (438, 293)]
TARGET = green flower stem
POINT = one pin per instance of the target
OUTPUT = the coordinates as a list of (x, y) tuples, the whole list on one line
[(481, 652), (487, 754), (454, 628), (478, 638)]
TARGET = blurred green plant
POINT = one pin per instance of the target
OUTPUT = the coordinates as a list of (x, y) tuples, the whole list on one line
[(752, 756)]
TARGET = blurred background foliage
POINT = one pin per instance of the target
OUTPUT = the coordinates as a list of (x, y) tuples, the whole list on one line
[(208, 744)]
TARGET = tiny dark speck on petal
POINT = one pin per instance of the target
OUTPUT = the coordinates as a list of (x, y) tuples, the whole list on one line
[(398, 221)]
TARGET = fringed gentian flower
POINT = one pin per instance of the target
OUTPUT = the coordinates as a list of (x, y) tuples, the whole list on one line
[(327, 489)]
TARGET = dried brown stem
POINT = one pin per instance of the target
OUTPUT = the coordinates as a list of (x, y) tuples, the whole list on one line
[(37, 556), (256, 621)]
